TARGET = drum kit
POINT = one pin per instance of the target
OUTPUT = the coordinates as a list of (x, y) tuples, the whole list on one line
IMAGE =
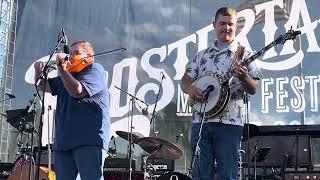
[(24, 165), (157, 148)]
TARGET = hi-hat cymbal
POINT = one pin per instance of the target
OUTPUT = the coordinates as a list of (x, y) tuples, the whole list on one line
[(160, 148), (126, 136)]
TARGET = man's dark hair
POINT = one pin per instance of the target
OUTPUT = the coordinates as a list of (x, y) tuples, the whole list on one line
[(225, 11)]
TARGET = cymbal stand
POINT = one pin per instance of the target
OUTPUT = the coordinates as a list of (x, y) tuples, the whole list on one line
[(133, 101), (148, 167), (43, 77), (240, 171), (49, 139), (197, 150), (31, 108), (152, 120)]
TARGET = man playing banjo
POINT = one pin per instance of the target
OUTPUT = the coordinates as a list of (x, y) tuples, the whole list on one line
[(221, 132)]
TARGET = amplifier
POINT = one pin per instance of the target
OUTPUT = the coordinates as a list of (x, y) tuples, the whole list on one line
[(159, 165), (119, 164), (302, 175), (297, 147), (5, 169), (136, 175)]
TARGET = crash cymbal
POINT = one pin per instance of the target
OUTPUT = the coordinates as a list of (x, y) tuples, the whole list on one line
[(160, 148), (126, 136)]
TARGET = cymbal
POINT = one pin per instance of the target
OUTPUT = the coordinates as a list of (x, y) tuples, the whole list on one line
[(126, 136), (160, 148), (253, 131)]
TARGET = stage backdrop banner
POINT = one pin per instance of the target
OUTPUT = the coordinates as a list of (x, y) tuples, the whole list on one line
[(161, 37)]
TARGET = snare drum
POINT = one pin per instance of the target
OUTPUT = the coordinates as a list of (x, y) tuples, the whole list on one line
[(173, 176)]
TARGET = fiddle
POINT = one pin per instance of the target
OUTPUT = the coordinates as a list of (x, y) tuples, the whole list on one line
[(79, 63)]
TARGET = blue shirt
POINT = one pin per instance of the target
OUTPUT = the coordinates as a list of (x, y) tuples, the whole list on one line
[(82, 121)]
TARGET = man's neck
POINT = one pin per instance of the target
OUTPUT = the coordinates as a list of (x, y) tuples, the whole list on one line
[(221, 45)]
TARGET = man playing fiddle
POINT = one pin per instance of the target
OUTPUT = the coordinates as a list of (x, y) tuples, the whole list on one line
[(82, 123)]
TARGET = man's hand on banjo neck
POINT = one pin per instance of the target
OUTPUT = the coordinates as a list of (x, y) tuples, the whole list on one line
[(241, 72)]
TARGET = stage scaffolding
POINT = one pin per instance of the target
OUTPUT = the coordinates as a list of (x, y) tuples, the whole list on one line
[(8, 22)]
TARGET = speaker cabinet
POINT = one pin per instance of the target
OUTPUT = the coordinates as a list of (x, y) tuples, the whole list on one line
[(297, 147)]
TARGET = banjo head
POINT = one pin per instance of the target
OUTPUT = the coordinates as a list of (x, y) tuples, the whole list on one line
[(214, 96)]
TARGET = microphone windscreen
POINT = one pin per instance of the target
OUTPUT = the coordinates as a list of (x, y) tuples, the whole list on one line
[(66, 49)]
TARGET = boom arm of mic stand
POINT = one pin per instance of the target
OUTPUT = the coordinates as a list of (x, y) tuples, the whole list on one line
[(155, 106), (43, 76), (132, 96)]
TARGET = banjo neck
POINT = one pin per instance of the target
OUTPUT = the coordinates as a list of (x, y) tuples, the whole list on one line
[(291, 34)]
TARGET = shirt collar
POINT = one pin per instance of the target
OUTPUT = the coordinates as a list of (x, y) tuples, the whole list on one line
[(232, 47)]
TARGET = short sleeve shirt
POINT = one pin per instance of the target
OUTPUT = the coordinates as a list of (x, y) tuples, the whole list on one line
[(214, 60), (82, 121)]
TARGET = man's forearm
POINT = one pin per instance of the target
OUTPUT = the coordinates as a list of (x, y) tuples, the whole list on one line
[(186, 83), (72, 85)]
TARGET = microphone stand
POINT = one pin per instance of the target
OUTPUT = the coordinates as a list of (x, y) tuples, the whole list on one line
[(197, 150), (152, 120), (246, 102), (133, 100), (44, 78)]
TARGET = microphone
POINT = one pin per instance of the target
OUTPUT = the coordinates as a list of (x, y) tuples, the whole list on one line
[(296, 33), (146, 113), (66, 48), (207, 91), (10, 95)]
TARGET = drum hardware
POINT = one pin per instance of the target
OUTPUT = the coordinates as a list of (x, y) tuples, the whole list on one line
[(112, 151), (23, 120), (220, 97), (240, 164), (130, 136), (148, 169), (259, 156)]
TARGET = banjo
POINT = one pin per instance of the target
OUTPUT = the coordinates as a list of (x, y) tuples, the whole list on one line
[(217, 87)]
